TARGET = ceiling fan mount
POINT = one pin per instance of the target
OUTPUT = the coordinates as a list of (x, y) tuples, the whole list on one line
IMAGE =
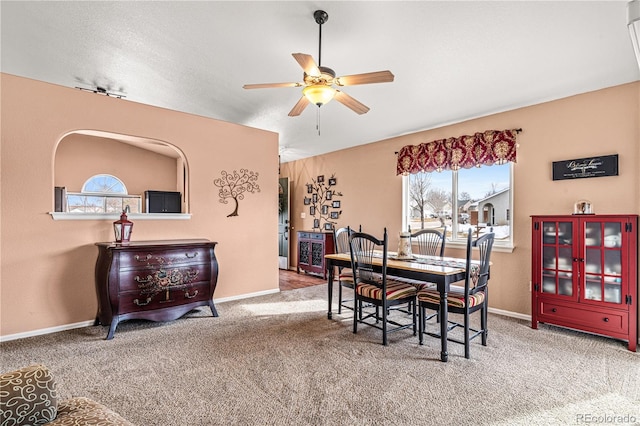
[(318, 81), (321, 16)]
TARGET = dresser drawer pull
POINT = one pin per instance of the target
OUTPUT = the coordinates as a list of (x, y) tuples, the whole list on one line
[(554, 310), (190, 296), (139, 303), (143, 280), (142, 259), (605, 319), (191, 256)]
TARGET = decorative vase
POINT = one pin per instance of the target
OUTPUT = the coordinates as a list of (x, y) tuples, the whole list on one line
[(404, 246)]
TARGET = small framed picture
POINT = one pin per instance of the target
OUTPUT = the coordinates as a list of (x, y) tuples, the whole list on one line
[(316, 223), (335, 215), (315, 198), (312, 210), (329, 195), (332, 181), (325, 210), (321, 179), (309, 188), (307, 201), (336, 204), (328, 226)]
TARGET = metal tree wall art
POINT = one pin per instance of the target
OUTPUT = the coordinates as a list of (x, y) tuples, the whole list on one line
[(234, 185), (323, 203)]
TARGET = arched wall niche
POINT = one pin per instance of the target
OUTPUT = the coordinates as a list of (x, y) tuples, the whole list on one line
[(141, 163)]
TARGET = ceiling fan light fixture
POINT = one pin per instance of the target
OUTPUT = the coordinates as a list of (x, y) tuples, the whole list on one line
[(319, 94)]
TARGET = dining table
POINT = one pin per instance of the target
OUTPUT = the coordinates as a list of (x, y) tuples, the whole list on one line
[(443, 271)]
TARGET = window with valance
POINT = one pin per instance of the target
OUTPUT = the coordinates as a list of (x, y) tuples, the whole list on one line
[(482, 148), (460, 183)]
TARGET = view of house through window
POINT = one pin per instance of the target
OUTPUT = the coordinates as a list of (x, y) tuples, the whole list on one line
[(103, 194), (477, 198)]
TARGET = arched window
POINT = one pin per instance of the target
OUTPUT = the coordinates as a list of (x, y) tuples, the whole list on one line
[(104, 184), (103, 194)]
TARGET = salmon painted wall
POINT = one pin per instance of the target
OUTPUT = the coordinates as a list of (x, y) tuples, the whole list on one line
[(597, 123), (47, 266)]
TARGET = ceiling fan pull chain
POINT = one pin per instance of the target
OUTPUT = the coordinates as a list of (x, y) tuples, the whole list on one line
[(318, 121)]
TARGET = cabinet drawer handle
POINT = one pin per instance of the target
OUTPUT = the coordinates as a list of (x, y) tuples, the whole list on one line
[(554, 310), (142, 259), (191, 256), (605, 319), (190, 296), (139, 303), (143, 280)]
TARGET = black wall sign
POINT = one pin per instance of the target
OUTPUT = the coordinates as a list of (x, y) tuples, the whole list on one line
[(606, 165)]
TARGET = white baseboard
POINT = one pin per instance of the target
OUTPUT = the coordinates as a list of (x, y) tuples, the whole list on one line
[(510, 314), (82, 324), (48, 330), (221, 300), (246, 296)]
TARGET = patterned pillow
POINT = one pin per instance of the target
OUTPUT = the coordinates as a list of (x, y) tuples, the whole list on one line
[(28, 396)]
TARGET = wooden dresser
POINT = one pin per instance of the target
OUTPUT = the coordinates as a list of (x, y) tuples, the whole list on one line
[(154, 280)]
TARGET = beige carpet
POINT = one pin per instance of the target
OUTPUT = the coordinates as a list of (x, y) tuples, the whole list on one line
[(277, 360)]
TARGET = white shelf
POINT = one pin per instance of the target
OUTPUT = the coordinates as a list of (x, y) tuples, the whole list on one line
[(115, 216)]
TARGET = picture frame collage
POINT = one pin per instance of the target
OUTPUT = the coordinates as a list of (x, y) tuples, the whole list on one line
[(323, 202)]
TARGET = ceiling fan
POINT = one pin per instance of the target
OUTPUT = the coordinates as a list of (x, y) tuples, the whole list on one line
[(319, 81)]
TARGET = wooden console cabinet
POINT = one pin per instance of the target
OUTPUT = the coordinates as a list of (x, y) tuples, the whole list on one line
[(154, 280), (584, 274), (312, 247)]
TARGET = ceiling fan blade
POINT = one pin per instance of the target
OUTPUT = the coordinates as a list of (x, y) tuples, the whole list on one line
[(351, 103), (366, 78), (299, 107), (307, 63), (269, 85)]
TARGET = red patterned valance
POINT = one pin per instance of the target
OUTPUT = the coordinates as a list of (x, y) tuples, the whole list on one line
[(486, 148)]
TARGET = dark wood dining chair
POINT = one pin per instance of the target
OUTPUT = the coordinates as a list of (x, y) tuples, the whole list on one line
[(465, 300), (429, 242), (345, 275), (373, 286)]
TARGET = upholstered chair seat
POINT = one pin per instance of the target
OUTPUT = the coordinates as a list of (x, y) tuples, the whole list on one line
[(395, 290), (454, 298)]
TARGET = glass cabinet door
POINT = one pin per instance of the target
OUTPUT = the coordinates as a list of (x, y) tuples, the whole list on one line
[(603, 261), (557, 259)]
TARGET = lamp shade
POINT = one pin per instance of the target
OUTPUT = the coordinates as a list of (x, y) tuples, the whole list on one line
[(122, 229), (633, 15), (319, 94)]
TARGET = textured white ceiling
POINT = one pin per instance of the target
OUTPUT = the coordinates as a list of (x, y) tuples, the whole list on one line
[(452, 60)]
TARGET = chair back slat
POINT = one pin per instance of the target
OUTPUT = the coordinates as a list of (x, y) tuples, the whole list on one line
[(429, 242), (364, 249), (478, 274), (341, 238)]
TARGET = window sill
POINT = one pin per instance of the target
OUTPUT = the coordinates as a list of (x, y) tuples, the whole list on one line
[(501, 248), (116, 216)]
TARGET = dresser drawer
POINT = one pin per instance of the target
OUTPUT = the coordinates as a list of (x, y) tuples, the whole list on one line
[(167, 257), (589, 319), (142, 278), (135, 301), (310, 236)]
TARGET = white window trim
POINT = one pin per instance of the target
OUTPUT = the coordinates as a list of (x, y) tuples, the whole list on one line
[(116, 216), (498, 246)]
